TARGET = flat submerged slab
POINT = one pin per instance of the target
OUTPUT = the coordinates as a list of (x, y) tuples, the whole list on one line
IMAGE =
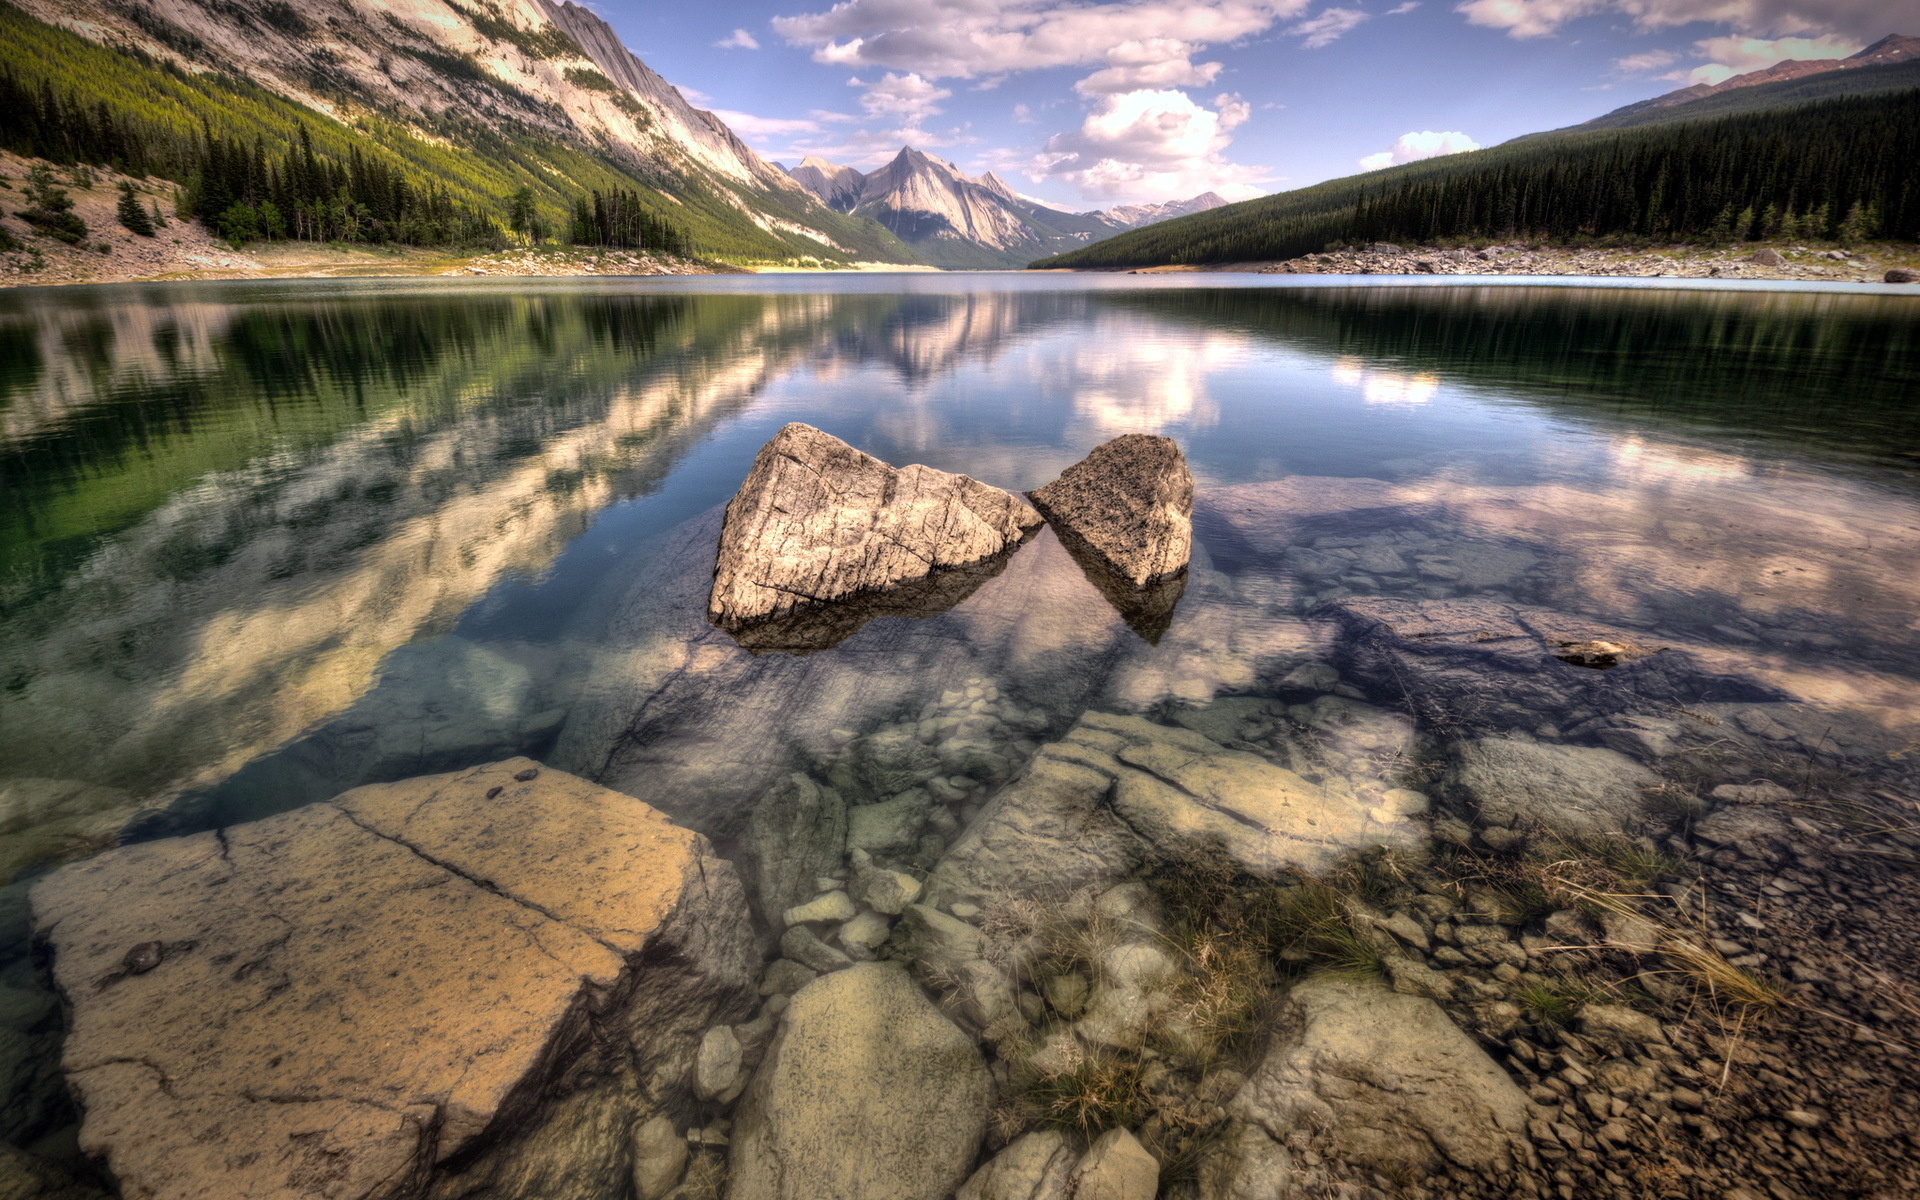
[(330, 1001)]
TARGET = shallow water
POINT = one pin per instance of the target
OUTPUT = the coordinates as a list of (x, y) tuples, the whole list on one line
[(262, 543)]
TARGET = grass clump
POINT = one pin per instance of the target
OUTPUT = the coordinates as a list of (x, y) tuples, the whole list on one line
[(1101, 1090)]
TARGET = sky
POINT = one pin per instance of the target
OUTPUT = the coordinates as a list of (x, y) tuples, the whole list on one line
[(1086, 104)]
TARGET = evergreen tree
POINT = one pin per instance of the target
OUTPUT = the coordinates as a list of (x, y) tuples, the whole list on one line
[(131, 214), (50, 208)]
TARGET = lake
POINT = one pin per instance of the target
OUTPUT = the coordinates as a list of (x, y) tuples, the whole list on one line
[(265, 542)]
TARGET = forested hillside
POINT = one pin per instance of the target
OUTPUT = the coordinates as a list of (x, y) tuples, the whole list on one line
[(254, 163), (1840, 170)]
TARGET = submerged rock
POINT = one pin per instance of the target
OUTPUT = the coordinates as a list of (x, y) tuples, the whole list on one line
[(1389, 1079), (1125, 512), (1562, 791), (867, 1093), (1035, 1167), (798, 832), (478, 980), (1118, 789), (818, 522)]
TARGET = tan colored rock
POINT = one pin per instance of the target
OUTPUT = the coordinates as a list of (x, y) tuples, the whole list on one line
[(1393, 1082), (1116, 1167), (867, 1093), (818, 523), (339, 1000), (1035, 1167)]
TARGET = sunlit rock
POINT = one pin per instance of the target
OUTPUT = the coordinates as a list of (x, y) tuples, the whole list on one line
[(367, 995), (1564, 792), (1125, 512), (817, 523), (867, 1093)]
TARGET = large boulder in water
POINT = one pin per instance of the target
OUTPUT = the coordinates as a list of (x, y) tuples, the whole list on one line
[(867, 1093), (1394, 1084), (1565, 792), (1125, 512), (818, 523), (494, 974)]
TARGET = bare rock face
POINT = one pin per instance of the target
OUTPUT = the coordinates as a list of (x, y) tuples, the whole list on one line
[(817, 524), (474, 982), (1129, 506)]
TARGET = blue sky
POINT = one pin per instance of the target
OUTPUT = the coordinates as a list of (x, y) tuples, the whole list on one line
[(1088, 104)]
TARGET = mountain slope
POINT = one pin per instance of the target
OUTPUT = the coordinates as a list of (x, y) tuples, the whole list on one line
[(1842, 169), (482, 96), (955, 220), (1888, 51)]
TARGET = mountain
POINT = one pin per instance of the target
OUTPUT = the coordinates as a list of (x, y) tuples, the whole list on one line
[(1834, 169), (475, 97), (956, 220), (1889, 50), (1133, 216)]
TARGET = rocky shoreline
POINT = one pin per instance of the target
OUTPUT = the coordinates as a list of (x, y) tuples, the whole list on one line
[(1865, 264)]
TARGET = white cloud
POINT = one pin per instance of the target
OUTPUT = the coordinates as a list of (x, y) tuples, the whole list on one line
[(759, 129), (1022, 115), (694, 95), (1412, 147), (1730, 56), (739, 39), (1399, 9), (1151, 144), (965, 38), (1757, 18), (1328, 27), (909, 98), (1640, 64), (1154, 63)]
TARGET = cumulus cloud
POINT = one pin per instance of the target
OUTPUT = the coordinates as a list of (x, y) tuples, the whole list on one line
[(760, 129), (910, 97), (1730, 56), (1412, 147), (1154, 63), (1756, 18), (941, 39), (1640, 64), (739, 39), (1152, 144), (1328, 27)]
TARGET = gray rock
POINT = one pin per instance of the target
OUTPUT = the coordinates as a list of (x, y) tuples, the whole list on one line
[(659, 1158), (1763, 792), (866, 1092), (868, 931), (883, 890), (804, 946), (1130, 504), (891, 826), (784, 977), (1116, 1167), (1411, 978), (1246, 1165), (1737, 825), (400, 1005), (832, 908), (1619, 1027), (817, 521), (1564, 791), (937, 942), (717, 1065), (1390, 1078), (797, 833), (1767, 256), (1095, 804), (1902, 275), (1034, 1167)]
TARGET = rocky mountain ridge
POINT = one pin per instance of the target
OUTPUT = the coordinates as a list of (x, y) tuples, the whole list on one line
[(1889, 50), (546, 90), (960, 220)]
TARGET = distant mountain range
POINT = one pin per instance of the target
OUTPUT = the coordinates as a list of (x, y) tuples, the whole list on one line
[(956, 220)]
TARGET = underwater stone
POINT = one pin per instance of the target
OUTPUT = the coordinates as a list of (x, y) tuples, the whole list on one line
[(867, 1093), (798, 832), (817, 521), (412, 963), (1564, 791), (1034, 1167)]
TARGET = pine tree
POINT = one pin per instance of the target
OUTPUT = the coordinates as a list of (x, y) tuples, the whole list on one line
[(130, 213)]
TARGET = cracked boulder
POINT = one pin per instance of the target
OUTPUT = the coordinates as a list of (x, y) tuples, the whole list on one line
[(1125, 513), (1118, 790), (822, 538), (474, 982)]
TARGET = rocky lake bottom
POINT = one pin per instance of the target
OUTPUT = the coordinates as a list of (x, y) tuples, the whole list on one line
[(1521, 799)]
